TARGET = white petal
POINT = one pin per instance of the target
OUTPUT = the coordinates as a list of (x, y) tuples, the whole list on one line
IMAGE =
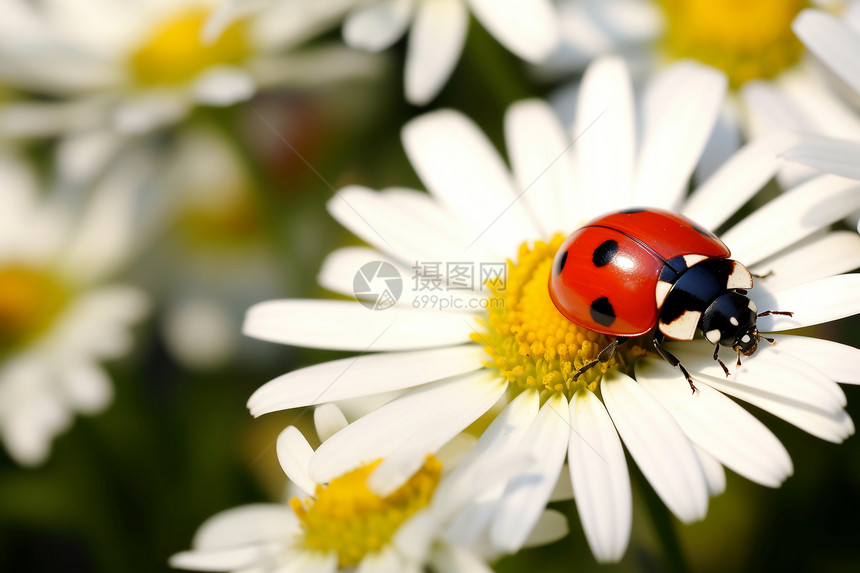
[(246, 524), (294, 454), (715, 475), (148, 112), (606, 136), (453, 559), (309, 562), (723, 143), (378, 25), (601, 481), (819, 301), (498, 442), (86, 386), (819, 257), (540, 157), (741, 177), (528, 28), (363, 375), (235, 558), (792, 216), (839, 362), (328, 420), (527, 495), (834, 156), (658, 445), (428, 414), (350, 326), (550, 527), (718, 425), (680, 109), (833, 42), (384, 561), (223, 86), (434, 46), (460, 166)]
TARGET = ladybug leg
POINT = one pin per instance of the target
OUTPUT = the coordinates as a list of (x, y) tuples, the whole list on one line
[(769, 312), (717, 358), (672, 359), (605, 355), (764, 276)]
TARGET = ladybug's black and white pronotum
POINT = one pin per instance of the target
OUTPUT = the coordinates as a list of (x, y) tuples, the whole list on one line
[(627, 272)]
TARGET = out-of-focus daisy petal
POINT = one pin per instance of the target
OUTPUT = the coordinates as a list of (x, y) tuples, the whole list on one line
[(223, 86), (832, 42), (350, 326), (832, 155), (426, 413), (606, 136), (718, 425), (527, 494), (328, 420), (452, 559), (745, 173), (235, 558), (658, 445), (434, 46), (361, 376), (601, 481), (680, 109), (724, 142), (86, 386), (376, 26), (528, 28), (715, 475), (792, 216), (551, 526), (294, 454), (462, 169), (821, 256), (540, 158), (812, 303), (839, 362)]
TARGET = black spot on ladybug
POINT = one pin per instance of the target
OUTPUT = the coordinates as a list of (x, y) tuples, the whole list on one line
[(604, 253), (631, 210), (703, 231), (602, 311), (559, 262)]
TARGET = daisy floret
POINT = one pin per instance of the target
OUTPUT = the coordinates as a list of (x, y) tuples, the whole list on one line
[(59, 317), (512, 360), (343, 525)]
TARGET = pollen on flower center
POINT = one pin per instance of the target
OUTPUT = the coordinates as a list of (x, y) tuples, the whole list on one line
[(532, 344), (29, 301), (174, 53), (350, 520), (746, 39)]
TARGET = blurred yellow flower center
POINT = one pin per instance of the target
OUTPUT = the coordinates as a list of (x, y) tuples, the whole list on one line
[(29, 302), (222, 221), (747, 39), (174, 54), (529, 342), (350, 520)]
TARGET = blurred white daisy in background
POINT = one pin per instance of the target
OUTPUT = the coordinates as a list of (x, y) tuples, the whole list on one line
[(344, 526), (835, 42), (136, 66), (437, 33), (513, 354), (774, 84), (59, 317)]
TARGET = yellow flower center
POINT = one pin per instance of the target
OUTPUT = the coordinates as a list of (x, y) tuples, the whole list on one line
[(174, 54), (747, 39), (529, 341), (350, 520), (222, 221), (29, 302)]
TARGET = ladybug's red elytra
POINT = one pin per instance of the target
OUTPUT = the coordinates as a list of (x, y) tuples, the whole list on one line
[(627, 272)]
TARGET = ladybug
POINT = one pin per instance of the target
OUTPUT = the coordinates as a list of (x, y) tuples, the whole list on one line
[(631, 272)]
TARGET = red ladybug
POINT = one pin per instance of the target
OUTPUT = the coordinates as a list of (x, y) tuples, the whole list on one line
[(626, 272)]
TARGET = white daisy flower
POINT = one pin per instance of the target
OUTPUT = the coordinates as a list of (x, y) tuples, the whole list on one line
[(59, 318), (774, 84), (835, 42), (517, 352), (437, 33), (141, 65), (344, 526)]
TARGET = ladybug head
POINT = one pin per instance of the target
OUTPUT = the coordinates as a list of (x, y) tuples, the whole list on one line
[(731, 321)]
